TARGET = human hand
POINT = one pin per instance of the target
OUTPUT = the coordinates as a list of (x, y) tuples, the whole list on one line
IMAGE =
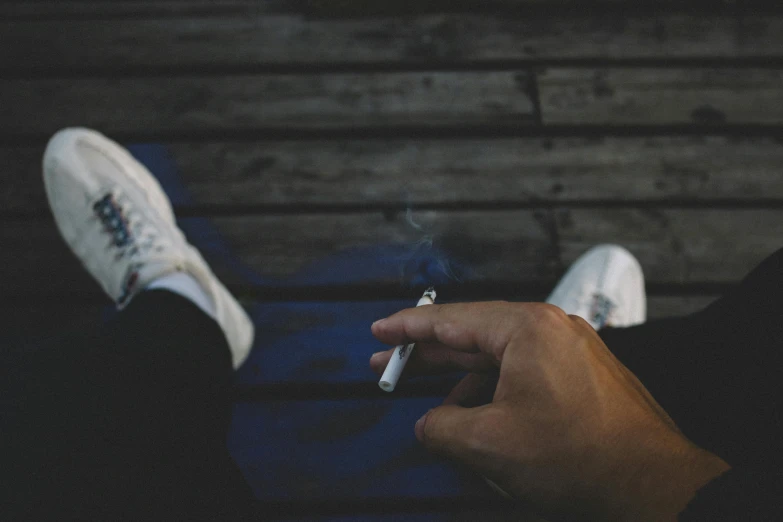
[(570, 430)]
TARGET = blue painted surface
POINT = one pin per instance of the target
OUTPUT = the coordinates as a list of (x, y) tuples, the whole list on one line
[(333, 345), (341, 450), (326, 449)]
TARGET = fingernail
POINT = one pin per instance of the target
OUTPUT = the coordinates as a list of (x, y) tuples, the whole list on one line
[(419, 428), (375, 356), (376, 323)]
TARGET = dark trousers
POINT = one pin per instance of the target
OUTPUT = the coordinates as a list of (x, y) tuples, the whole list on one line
[(718, 372), (131, 423)]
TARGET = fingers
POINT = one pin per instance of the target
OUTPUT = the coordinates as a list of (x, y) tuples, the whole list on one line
[(475, 389), (429, 359), (467, 327), (456, 432)]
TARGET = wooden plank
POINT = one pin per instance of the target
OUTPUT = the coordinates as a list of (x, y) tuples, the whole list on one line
[(482, 242), (327, 249), (308, 343), (178, 105), (520, 247), (331, 342), (337, 456), (627, 36), (426, 515), (253, 39), (302, 350), (677, 245), (661, 96), (506, 171), (497, 170), (99, 9), (661, 307)]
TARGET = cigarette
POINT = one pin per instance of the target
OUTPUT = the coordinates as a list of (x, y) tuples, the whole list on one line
[(403, 352)]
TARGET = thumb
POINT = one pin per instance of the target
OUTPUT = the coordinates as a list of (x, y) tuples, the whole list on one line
[(456, 432)]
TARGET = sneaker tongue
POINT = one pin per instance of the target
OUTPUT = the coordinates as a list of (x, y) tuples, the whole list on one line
[(155, 269), (138, 277)]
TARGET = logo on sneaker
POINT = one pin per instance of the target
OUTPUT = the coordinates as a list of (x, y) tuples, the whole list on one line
[(600, 310), (128, 286)]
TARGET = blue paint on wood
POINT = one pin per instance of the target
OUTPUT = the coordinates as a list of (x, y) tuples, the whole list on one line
[(332, 450), (326, 449)]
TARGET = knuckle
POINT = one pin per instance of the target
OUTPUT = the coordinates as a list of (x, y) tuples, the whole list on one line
[(448, 331), (547, 315), (580, 322)]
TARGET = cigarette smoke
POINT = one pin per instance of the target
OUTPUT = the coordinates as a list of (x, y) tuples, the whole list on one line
[(425, 264)]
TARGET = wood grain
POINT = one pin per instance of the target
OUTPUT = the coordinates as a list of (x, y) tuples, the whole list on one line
[(677, 245), (661, 96), (347, 8), (466, 172), (660, 307), (324, 432), (674, 246), (49, 318), (178, 105), (255, 40), (127, 9), (99, 9)]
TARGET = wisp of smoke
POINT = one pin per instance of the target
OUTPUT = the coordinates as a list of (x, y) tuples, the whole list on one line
[(425, 264)]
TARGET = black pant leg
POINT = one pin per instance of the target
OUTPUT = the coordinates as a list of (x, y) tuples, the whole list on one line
[(129, 423), (717, 372)]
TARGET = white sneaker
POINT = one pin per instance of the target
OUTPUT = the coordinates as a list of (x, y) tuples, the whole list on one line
[(118, 221), (605, 287)]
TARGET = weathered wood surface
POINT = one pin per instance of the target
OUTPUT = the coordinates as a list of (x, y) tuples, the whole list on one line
[(519, 170), (337, 455), (660, 307), (182, 105), (33, 319), (128, 9), (284, 351), (678, 245), (661, 96), (673, 245), (345, 8), (253, 40), (455, 513), (206, 76)]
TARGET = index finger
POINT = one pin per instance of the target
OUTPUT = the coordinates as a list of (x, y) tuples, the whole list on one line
[(467, 327)]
